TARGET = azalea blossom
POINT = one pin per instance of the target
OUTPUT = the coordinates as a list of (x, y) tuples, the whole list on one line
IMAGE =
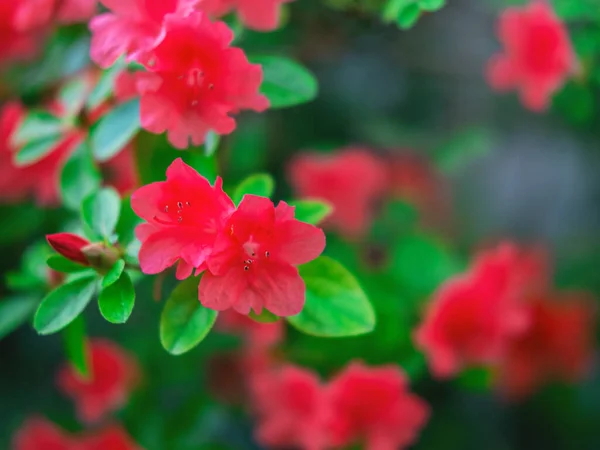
[(196, 81), (538, 55), (256, 335), (38, 433), (352, 180), (474, 315), (16, 41), (260, 15), (32, 14), (112, 437), (558, 345), (131, 27), (253, 262), (113, 375), (183, 216), (373, 405)]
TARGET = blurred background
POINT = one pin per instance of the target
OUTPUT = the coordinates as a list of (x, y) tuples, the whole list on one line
[(469, 167)]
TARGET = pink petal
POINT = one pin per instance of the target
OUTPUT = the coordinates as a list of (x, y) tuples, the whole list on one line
[(299, 242), (184, 270), (281, 289), (221, 293), (162, 249)]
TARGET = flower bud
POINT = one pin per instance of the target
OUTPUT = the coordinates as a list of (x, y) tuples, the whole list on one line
[(70, 246), (100, 256)]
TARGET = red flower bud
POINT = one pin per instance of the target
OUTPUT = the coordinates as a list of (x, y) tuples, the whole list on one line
[(70, 246)]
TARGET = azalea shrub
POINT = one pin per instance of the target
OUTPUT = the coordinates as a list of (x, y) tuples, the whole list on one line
[(299, 224)]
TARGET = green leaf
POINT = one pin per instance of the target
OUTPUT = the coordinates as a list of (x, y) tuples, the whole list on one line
[(113, 131), (285, 82), (336, 305), (103, 90), (14, 312), (37, 125), (260, 184), (311, 211), (128, 221), (100, 211), (62, 264), (113, 274), (264, 317), (79, 178), (393, 7), (36, 150), (408, 16), (211, 144), (431, 5), (72, 96), (462, 148), (184, 322), (62, 305), (76, 346), (117, 299)]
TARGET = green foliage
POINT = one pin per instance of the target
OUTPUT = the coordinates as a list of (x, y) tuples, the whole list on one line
[(311, 211), (406, 13), (72, 96), (211, 144), (114, 130), (113, 274), (336, 306), (117, 298), (14, 312), (79, 178), (76, 347), (62, 264), (100, 212), (37, 135), (184, 322), (104, 88), (260, 184), (264, 317), (62, 305), (285, 82)]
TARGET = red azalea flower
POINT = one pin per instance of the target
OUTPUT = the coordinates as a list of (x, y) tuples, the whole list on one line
[(69, 245), (184, 215), (131, 28), (352, 180), (557, 345), (292, 410), (120, 171), (75, 11), (34, 14), (16, 42), (197, 80), (257, 335), (538, 54), (113, 375), (473, 316), (253, 261), (40, 434), (260, 15), (374, 405), (111, 438)]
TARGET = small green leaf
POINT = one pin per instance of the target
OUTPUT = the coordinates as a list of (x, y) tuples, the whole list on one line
[(184, 322), (285, 82), (211, 144), (336, 305), (113, 131), (35, 150), (264, 317), (76, 346), (100, 211), (117, 299), (408, 16), (260, 184), (14, 312), (37, 125), (103, 90), (62, 305), (311, 211), (128, 221), (113, 274), (62, 264), (462, 149), (431, 5), (72, 96), (79, 178)]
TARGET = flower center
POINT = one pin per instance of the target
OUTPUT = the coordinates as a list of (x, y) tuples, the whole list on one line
[(197, 85), (254, 254)]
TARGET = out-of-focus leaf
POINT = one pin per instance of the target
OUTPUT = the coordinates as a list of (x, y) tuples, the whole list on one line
[(128, 221), (259, 184), (431, 5), (462, 149), (79, 178), (114, 130), (117, 299), (37, 125), (104, 89), (311, 211), (76, 346), (61, 306), (14, 312), (62, 264), (264, 317), (100, 211), (285, 82), (336, 305), (72, 96), (184, 322), (211, 144)]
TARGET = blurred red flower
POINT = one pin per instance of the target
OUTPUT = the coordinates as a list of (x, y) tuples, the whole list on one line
[(196, 81), (131, 28), (374, 405), (32, 14), (39, 434), (113, 375), (352, 180), (292, 409), (183, 215), (256, 335), (558, 344), (538, 56), (260, 15), (473, 316), (69, 245), (253, 263), (112, 437), (16, 41)]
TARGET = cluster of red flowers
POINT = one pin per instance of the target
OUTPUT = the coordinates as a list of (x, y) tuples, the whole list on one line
[(359, 405), (538, 56), (249, 253), (333, 178), (503, 313), (113, 375)]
